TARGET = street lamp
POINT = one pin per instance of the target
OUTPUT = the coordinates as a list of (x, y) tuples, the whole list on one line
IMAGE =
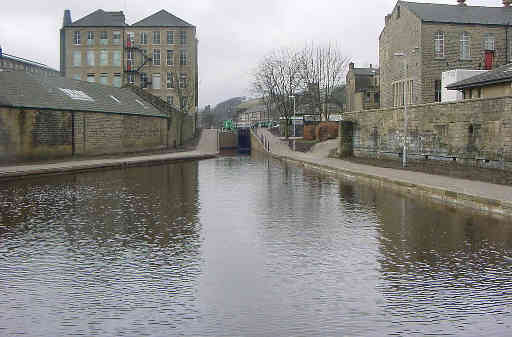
[(294, 122), (404, 157)]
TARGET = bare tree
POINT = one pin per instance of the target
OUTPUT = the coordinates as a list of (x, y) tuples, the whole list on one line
[(276, 79), (182, 80), (323, 71)]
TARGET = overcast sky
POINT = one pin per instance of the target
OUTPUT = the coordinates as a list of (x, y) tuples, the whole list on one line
[(233, 34)]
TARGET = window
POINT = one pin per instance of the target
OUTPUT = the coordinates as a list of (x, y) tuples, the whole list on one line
[(465, 48), (90, 38), (143, 38), (77, 94), (91, 78), (170, 80), (439, 44), (156, 37), (104, 79), (170, 57), (183, 81), (156, 57), (76, 37), (183, 37), (103, 38), (116, 58), (143, 80), (183, 57), (76, 77), (489, 42), (77, 58), (103, 57), (131, 78), (90, 57), (170, 100), (156, 81), (130, 37), (116, 80), (170, 37), (116, 37), (437, 91)]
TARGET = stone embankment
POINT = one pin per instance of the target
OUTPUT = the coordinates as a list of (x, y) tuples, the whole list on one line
[(480, 196), (207, 148)]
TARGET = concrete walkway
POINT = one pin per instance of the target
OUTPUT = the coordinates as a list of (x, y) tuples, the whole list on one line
[(485, 197), (207, 148)]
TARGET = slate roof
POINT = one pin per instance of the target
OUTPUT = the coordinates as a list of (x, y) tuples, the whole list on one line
[(33, 63), (26, 90), (162, 19), (441, 13), (499, 75), (100, 18), (366, 71)]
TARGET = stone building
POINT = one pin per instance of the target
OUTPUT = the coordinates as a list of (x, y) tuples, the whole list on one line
[(11, 63), (422, 40), (491, 84), (158, 53), (363, 89)]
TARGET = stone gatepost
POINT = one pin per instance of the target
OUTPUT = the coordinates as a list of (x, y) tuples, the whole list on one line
[(346, 144)]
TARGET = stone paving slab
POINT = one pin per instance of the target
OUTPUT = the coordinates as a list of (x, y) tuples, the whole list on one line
[(475, 194), (206, 148)]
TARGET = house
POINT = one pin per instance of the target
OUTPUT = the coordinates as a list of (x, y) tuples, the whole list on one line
[(363, 89), (420, 41), (493, 83), (157, 53)]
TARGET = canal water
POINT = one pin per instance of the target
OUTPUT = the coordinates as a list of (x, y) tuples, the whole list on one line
[(243, 246)]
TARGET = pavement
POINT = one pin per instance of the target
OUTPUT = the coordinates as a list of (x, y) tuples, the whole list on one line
[(206, 148), (478, 195)]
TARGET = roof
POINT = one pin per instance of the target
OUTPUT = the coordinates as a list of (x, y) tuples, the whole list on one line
[(441, 13), (100, 18), (32, 63), (25, 90), (366, 71), (499, 75), (162, 19)]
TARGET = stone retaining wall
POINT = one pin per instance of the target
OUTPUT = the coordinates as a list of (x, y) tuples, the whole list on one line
[(472, 132)]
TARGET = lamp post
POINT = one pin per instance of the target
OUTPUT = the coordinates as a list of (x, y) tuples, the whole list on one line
[(294, 122), (404, 157)]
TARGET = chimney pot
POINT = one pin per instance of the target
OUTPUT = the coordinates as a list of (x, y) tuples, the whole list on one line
[(66, 21)]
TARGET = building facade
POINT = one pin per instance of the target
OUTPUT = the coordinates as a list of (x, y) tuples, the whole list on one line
[(14, 63), (363, 88), (158, 53), (422, 40)]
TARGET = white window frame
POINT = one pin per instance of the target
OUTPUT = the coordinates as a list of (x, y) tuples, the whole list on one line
[(103, 41), (170, 80), (91, 58), (156, 57), (183, 80), (170, 60), (183, 57), (156, 81), (155, 35), (115, 40), (489, 41), (103, 57), (90, 38), (183, 37), (439, 44), (170, 37), (76, 38), (143, 37), (465, 46)]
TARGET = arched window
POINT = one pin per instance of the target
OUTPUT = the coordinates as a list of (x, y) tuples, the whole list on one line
[(465, 46), (489, 41), (439, 44)]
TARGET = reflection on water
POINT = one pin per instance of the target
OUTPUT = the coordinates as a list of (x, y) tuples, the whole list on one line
[(241, 246)]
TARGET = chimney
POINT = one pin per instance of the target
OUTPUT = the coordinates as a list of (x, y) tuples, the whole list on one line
[(506, 3), (371, 66), (351, 65), (66, 21), (462, 2)]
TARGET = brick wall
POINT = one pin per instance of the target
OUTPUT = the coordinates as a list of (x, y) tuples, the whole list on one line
[(473, 132)]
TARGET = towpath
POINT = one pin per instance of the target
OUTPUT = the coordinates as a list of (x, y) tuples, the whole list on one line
[(492, 198), (207, 148)]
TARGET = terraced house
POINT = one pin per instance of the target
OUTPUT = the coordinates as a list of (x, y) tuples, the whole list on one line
[(422, 40), (158, 53)]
